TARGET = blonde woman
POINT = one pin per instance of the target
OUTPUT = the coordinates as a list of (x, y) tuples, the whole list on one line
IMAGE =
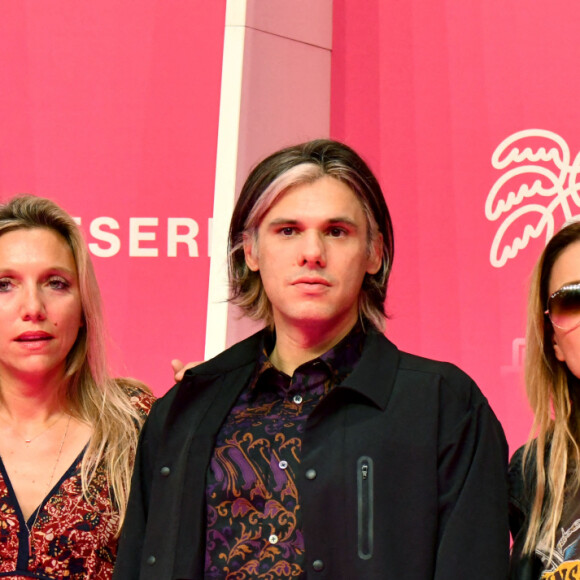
[(545, 473), (68, 431)]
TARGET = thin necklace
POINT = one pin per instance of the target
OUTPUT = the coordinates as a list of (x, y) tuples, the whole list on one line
[(27, 441), (30, 542)]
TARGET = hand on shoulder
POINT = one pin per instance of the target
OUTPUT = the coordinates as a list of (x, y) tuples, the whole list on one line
[(179, 368)]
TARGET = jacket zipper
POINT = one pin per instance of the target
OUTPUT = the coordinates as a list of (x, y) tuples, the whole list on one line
[(365, 507)]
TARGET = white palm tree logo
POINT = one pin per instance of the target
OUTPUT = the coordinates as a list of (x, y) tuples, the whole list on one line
[(539, 180)]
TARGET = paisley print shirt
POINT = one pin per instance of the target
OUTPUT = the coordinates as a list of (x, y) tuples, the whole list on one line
[(253, 508), (71, 538)]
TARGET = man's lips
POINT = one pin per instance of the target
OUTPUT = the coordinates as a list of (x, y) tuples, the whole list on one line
[(311, 281), (33, 336), (309, 286)]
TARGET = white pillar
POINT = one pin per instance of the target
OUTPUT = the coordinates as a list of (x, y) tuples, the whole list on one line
[(275, 92)]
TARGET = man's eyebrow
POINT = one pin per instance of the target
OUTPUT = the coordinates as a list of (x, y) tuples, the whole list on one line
[(343, 220), (331, 221), (282, 220)]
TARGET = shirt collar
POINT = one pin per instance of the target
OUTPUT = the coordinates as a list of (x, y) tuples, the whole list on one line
[(339, 360)]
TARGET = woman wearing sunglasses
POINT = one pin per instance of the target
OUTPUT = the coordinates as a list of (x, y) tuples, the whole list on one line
[(68, 431), (545, 473)]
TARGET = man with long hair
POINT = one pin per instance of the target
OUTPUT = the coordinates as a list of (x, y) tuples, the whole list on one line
[(315, 448)]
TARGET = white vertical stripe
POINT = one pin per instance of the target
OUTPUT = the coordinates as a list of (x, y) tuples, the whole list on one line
[(225, 180)]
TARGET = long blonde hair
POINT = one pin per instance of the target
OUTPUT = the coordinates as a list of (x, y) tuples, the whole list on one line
[(90, 393), (552, 450)]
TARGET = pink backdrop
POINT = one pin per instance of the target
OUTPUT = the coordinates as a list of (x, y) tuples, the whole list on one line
[(428, 91), (111, 109)]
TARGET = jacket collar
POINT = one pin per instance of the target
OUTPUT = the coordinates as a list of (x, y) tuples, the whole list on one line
[(374, 375)]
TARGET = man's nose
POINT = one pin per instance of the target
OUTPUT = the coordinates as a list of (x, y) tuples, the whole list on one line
[(313, 249)]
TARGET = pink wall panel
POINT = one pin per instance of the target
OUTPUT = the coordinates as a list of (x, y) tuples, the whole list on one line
[(111, 109), (285, 97), (301, 20), (285, 92), (427, 92)]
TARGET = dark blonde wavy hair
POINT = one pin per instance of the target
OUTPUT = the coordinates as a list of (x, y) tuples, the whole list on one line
[(552, 450), (297, 165), (89, 393)]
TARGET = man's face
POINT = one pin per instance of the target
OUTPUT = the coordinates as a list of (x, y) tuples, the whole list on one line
[(312, 255)]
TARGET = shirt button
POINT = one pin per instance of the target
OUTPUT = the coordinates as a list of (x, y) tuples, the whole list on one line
[(165, 471), (310, 474), (297, 399), (273, 539), (283, 464), (151, 560), (318, 565)]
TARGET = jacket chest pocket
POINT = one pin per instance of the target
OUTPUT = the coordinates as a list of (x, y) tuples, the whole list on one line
[(365, 499)]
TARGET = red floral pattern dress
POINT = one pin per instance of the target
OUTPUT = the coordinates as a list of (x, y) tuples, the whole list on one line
[(71, 537)]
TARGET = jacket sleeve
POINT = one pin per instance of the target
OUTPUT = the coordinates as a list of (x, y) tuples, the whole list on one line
[(521, 490), (133, 532), (473, 496), (518, 505)]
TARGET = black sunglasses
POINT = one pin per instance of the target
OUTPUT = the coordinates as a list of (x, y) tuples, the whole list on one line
[(563, 307)]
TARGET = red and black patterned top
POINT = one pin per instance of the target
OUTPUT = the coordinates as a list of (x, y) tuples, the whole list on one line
[(71, 537)]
